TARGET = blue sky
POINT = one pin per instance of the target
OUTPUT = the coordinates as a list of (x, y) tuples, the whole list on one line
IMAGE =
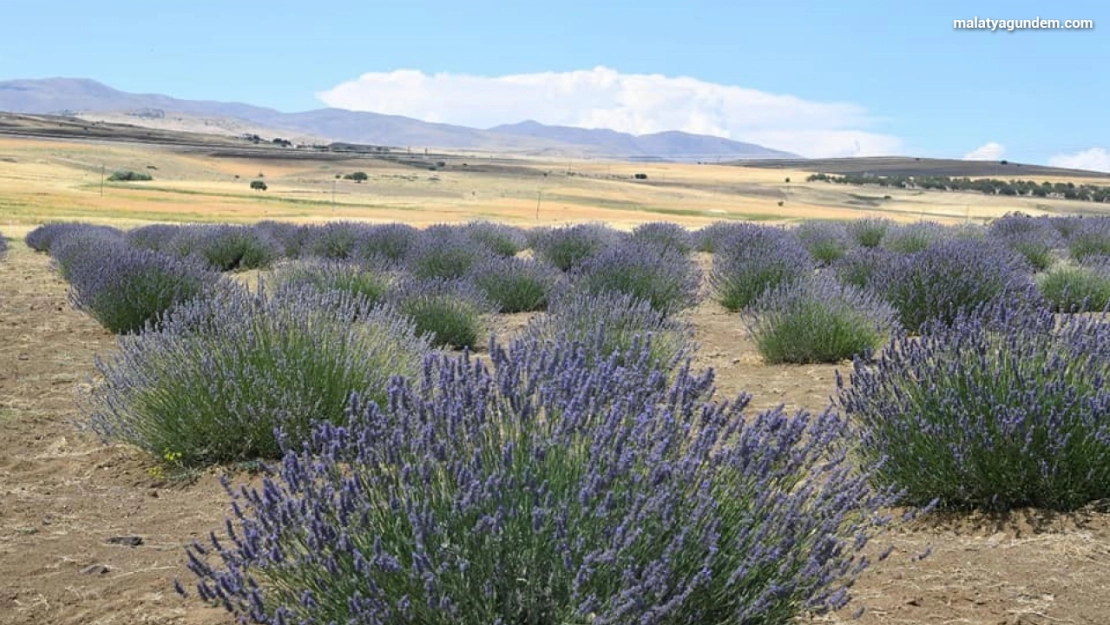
[(877, 77)]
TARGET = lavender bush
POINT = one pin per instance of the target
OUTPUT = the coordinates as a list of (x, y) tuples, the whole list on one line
[(858, 267), (290, 237), (42, 238), (386, 244), (826, 241), (915, 237), (1033, 237), (569, 246), (869, 231), (498, 239), (998, 410), (212, 382), (444, 252), (334, 275), (1076, 288), (611, 323), (709, 238), (1090, 238), (664, 235), (818, 320), (83, 247), (335, 240), (950, 277), (3, 247), (450, 313), (662, 276), (126, 288), (1067, 226), (154, 237), (226, 247), (754, 259), (514, 284), (465, 502)]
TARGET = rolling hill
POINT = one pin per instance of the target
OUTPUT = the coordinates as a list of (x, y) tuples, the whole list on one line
[(95, 101)]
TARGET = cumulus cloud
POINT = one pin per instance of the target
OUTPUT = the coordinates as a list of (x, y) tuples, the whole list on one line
[(633, 103), (1094, 159), (987, 152)]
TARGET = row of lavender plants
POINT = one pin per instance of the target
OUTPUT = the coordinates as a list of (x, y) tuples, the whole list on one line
[(585, 472)]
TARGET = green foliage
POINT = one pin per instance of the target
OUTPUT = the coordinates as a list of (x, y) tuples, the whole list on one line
[(334, 275), (1004, 408), (818, 321), (515, 284), (129, 176), (449, 312), (987, 186), (615, 324), (1074, 288), (216, 378)]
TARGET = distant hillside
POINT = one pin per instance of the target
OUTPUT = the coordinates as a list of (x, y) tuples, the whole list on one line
[(671, 145), (907, 166), (93, 100)]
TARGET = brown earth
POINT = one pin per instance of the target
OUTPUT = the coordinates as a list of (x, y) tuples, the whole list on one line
[(64, 495)]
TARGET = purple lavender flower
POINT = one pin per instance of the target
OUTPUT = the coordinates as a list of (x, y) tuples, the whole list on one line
[(291, 237), (450, 313), (225, 247), (1002, 408), (818, 320), (386, 244), (858, 267), (826, 241), (334, 275), (869, 231), (155, 237), (546, 489), (569, 246), (612, 323), (915, 237), (444, 252), (753, 259), (662, 276), (664, 234), (1090, 238), (215, 378), (498, 239), (336, 240), (126, 289), (516, 284), (950, 277), (1035, 238), (42, 238), (1077, 288)]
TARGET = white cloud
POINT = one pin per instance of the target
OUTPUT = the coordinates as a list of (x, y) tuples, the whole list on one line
[(1094, 159), (633, 103), (987, 152)]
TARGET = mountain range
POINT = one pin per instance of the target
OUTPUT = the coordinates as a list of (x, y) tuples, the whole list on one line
[(90, 99)]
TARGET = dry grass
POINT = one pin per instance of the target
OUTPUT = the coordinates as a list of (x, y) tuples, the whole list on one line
[(44, 180)]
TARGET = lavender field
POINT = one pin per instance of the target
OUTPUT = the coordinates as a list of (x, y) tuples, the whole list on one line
[(480, 423)]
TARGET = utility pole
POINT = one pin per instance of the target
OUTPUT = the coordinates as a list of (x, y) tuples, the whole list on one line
[(333, 195), (539, 198)]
